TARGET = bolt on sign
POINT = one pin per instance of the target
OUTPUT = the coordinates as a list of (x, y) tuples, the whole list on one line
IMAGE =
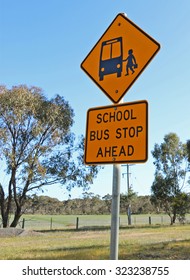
[(119, 57), (117, 133)]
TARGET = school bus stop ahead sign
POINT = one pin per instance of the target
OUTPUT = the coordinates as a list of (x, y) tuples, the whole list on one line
[(119, 57), (117, 133)]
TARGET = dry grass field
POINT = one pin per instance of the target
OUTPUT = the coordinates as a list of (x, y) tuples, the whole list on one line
[(135, 243)]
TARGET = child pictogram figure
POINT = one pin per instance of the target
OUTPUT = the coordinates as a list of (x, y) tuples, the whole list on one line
[(131, 62)]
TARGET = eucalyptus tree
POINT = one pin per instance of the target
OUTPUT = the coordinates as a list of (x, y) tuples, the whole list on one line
[(171, 162), (37, 148)]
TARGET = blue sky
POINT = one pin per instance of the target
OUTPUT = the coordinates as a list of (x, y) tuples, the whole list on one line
[(43, 43)]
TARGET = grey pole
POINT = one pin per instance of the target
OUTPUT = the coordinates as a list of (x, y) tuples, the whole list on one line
[(114, 243), (128, 188), (115, 208)]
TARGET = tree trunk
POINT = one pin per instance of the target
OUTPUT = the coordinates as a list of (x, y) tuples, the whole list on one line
[(5, 208), (173, 218), (5, 220), (17, 216)]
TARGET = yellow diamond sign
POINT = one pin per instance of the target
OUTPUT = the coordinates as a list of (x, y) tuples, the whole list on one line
[(119, 57)]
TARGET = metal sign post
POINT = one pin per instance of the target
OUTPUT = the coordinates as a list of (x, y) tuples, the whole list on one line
[(114, 242), (115, 210)]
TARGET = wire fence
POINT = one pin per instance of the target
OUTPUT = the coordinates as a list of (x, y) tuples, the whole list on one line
[(58, 222)]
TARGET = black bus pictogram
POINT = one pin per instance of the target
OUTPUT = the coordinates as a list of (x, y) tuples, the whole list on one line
[(111, 59)]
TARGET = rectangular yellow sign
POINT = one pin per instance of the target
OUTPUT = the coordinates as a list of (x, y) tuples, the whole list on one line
[(117, 134)]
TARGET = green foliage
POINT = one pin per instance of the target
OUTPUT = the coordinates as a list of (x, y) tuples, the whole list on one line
[(171, 162), (90, 204), (37, 146), (188, 151)]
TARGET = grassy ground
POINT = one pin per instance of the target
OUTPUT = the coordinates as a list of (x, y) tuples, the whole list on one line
[(155, 242)]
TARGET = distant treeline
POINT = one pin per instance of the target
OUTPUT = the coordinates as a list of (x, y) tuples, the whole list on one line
[(89, 204)]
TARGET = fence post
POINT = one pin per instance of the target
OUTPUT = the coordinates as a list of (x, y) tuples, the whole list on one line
[(23, 223), (162, 221), (149, 220), (51, 223), (77, 223)]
